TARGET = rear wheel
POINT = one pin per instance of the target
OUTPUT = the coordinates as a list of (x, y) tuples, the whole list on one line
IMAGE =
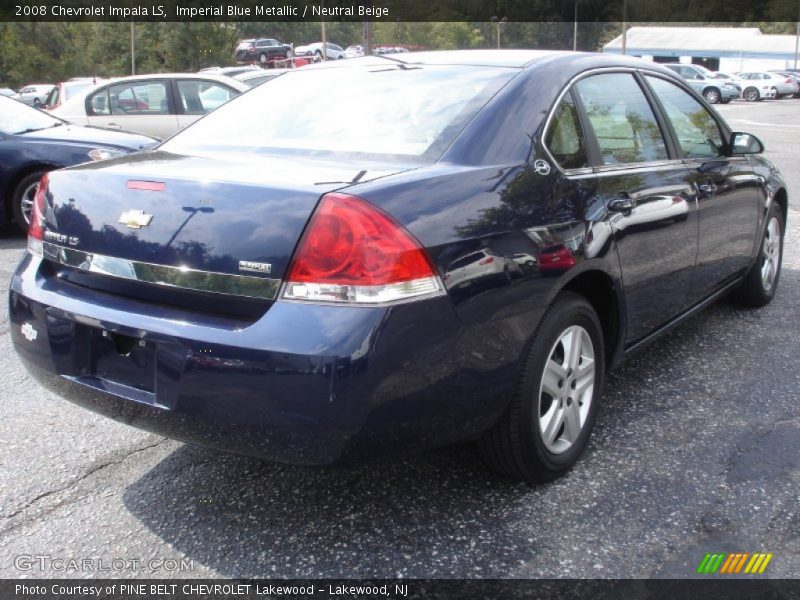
[(22, 199), (758, 288), (547, 424), (751, 94)]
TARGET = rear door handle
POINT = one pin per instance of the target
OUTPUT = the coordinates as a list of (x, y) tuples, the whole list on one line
[(113, 126), (623, 203)]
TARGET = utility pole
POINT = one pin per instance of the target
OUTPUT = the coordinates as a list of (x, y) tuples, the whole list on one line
[(498, 24), (624, 26), (324, 42), (133, 49), (367, 32), (797, 35), (575, 29)]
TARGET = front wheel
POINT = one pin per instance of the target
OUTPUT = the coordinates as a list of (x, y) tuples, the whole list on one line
[(751, 94), (548, 421), (712, 95), (23, 197), (759, 286)]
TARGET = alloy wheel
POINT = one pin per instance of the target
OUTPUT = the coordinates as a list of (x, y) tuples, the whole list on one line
[(567, 389), (26, 202), (751, 94), (771, 254), (712, 96)]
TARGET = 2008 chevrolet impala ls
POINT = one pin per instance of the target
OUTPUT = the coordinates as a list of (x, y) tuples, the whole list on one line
[(413, 251)]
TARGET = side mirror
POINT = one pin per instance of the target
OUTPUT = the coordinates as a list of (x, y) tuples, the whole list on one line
[(745, 143)]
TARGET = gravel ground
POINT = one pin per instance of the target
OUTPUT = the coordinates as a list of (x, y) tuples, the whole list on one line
[(696, 450)]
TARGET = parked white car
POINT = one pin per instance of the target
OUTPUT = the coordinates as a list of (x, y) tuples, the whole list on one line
[(156, 105), (34, 94), (334, 52), (354, 51), (763, 84)]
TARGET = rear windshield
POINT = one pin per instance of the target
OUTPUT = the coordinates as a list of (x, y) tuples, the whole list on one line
[(73, 89), (377, 110)]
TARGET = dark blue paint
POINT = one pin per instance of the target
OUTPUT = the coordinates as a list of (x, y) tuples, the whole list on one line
[(317, 384)]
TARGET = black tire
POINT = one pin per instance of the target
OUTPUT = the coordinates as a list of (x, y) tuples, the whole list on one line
[(751, 94), (754, 291), (18, 195), (725, 101), (515, 445), (712, 95)]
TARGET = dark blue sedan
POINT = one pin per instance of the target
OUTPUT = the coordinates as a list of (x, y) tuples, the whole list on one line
[(33, 142), (398, 253)]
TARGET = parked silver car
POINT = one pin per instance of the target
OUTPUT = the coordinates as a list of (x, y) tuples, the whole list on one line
[(34, 94), (714, 89)]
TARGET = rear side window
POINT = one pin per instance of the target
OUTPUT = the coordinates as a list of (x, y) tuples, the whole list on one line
[(697, 131), (139, 98), (564, 137), (623, 121)]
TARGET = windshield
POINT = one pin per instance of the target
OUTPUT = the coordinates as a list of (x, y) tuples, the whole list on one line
[(372, 110), (16, 117)]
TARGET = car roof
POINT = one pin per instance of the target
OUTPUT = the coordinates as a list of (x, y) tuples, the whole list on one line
[(260, 73), (501, 58)]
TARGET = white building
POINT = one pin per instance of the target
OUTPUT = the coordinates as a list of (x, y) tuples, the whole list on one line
[(726, 49)]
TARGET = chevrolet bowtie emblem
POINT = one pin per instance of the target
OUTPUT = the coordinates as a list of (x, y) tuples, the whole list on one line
[(135, 219)]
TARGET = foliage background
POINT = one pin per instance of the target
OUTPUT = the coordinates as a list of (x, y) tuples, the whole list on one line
[(47, 52)]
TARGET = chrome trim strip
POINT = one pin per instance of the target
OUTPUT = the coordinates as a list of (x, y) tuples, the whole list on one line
[(162, 275)]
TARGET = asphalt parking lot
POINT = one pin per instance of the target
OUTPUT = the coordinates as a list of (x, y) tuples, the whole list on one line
[(696, 449)]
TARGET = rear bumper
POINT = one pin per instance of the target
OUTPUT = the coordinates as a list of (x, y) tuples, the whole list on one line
[(305, 384)]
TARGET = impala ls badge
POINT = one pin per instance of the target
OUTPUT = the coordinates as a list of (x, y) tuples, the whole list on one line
[(135, 219), (257, 267)]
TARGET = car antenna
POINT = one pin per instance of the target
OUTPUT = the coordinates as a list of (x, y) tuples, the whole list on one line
[(401, 63)]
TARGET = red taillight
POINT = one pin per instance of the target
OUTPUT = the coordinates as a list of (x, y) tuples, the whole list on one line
[(352, 251), (36, 225), (487, 261)]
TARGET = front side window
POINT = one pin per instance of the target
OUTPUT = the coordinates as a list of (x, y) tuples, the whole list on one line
[(697, 131), (564, 138), (198, 96), (622, 120)]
